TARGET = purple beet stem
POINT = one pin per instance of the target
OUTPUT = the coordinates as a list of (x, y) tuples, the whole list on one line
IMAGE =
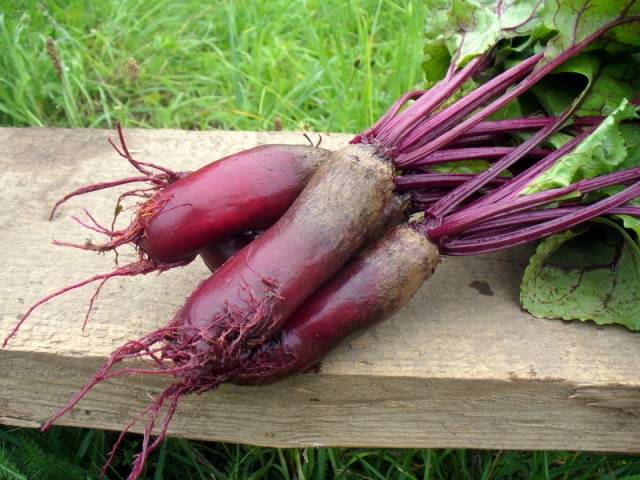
[(419, 136)]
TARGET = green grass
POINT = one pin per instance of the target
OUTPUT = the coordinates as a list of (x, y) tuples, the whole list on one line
[(229, 64), (72, 453), (311, 65)]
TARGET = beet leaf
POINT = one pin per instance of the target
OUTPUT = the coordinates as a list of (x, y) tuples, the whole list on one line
[(589, 273)]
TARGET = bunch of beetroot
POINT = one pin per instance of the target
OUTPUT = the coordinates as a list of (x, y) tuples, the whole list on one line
[(308, 246)]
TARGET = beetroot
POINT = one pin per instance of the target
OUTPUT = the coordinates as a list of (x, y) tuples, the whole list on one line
[(185, 212), (248, 190), (256, 290), (247, 299), (369, 289), (216, 253)]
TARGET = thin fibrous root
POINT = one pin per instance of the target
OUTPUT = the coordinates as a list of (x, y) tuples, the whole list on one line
[(129, 235), (249, 325), (190, 377), (158, 180)]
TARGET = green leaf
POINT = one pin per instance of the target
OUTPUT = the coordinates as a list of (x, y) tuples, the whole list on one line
[(618, 79), (512, 109), (556, 92), (631, 223), (590, 273), (575, 20), (612, 146), (558, 139), (465, 166), (596, 278), (464, 29)]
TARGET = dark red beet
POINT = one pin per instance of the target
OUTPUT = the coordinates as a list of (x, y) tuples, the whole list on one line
[(245, 191), (186, 211), (242, 304), (249, 190), (370, 288), (257, 289)]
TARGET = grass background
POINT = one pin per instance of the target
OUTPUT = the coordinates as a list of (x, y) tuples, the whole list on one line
[(322, 65), (253, 65)]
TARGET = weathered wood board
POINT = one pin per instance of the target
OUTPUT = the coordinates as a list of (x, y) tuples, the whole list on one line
[(461, 366)]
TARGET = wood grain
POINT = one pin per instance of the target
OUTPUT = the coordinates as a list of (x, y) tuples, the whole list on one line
[(460, 366)]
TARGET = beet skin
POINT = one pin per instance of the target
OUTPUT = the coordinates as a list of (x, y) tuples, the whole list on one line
[(369, 289), (257, 289), (249, 190), (216, 253)]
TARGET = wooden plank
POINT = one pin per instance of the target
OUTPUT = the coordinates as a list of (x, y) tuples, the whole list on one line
[(460, 366)]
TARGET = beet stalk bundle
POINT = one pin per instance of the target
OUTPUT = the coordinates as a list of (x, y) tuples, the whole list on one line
[(293, 292)]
